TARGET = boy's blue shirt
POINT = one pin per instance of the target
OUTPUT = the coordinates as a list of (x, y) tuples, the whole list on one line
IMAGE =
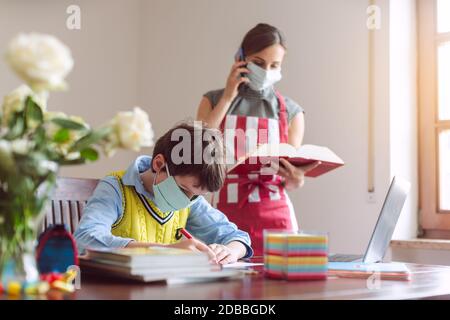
[(105, 207)]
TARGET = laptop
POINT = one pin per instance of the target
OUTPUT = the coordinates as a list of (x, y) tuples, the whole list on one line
[(387, 220)]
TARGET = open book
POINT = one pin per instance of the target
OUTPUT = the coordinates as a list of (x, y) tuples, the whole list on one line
[(260, 160)]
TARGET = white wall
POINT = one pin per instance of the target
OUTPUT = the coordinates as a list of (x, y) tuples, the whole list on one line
[(163, 55), (104, 79), (421, 256)]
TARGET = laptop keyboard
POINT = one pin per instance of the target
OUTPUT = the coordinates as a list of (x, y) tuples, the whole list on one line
[(344, 257)]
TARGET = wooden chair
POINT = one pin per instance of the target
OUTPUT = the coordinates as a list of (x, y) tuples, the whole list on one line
[(68, 201)]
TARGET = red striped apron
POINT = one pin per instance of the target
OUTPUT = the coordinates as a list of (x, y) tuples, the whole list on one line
[(255, 202)]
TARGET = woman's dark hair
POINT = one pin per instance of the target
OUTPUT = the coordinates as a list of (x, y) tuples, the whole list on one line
[(260, 37)]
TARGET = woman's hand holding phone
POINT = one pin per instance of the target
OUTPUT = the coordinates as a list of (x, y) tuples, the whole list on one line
[(214, 115), (235, 78)]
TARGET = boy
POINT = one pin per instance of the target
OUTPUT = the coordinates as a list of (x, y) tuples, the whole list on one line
[(149, 202)]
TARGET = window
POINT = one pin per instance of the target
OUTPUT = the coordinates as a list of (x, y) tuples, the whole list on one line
[(443, 83), (444, 170), (434, 117), (443, 16)]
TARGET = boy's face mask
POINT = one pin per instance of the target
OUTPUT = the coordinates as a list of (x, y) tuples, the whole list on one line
[(168, 195), (260, 78)]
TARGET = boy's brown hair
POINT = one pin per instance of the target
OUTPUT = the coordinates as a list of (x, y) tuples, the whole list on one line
[(210, 174)]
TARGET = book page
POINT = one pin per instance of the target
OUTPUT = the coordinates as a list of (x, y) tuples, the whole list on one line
[(309, 151), (274, 150), (241, 265)]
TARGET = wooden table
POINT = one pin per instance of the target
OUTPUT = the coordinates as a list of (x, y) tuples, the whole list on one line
[(427, 282)]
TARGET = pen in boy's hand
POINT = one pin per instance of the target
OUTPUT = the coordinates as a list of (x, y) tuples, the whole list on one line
[(201, 246), (186, 233)]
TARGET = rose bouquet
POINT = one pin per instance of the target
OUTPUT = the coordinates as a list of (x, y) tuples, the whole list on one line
[(34, 143)]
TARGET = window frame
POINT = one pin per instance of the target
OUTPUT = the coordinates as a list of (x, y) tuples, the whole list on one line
[(434, 222)]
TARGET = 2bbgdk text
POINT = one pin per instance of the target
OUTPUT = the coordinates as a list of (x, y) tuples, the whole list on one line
[(226, 309)]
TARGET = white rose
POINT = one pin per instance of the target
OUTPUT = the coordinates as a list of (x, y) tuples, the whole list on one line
[(15, 101), (21, 146), (110, 144), (45, 166), (42, 61), (72, 155), (133, 129)]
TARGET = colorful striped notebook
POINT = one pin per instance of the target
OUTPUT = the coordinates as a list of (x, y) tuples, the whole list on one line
[(295, 256)]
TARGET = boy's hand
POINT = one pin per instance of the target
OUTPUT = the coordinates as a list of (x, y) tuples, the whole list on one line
[(195, 245), (225, 254)]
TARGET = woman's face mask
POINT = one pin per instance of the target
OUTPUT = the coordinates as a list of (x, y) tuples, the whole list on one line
[(168, 195), (260, 78)]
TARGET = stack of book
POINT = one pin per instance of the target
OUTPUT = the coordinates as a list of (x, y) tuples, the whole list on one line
[(149, 264), (295, 256)]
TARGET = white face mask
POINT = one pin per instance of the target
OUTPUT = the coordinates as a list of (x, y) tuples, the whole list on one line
[(260, 78)]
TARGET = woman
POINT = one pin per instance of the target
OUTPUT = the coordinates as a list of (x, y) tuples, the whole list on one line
[(249, 102)]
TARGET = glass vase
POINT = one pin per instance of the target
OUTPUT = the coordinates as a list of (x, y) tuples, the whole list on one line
[(20, 266)]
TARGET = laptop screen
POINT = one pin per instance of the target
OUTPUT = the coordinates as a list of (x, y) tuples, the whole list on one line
[(387, 220)]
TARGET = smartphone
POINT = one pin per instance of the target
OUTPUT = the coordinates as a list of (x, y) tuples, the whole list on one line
[(239, 56)]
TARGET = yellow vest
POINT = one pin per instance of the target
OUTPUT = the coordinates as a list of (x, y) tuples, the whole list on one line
[(143, 221)]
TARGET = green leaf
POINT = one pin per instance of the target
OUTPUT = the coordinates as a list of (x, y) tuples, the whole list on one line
[(39, 136), (62, 135), (33, 113), (69, 124), (90, 139), (65, 162), (89, 154), (16, 126)]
